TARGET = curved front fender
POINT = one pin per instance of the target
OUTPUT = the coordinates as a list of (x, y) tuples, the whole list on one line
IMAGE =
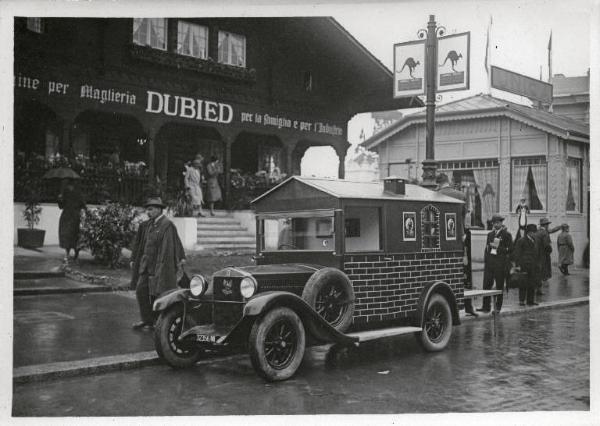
[(320, 329), (171, 297)]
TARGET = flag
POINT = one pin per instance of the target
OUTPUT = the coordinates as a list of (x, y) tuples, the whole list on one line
[(550, 58), (488, 54)]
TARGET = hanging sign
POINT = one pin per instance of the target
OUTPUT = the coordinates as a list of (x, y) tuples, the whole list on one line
[(520, 84), (453, 62), (409, 69)]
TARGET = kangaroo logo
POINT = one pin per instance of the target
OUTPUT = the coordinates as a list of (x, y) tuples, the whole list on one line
[(411, 64), (454, 57)]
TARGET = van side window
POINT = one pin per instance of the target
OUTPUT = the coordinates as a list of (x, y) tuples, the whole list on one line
[(430, 228)]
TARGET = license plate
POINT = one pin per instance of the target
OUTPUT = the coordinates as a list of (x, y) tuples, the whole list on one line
[(206, 338)]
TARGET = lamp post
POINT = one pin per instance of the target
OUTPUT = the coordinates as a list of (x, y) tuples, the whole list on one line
[(429, 164)]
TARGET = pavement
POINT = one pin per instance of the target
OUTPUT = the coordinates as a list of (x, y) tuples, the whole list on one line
[(78, 315)]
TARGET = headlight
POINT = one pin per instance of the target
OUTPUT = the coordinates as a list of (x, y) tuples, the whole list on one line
[(248, 287), (198, 285)]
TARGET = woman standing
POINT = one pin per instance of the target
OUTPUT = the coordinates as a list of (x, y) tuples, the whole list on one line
[(213, 170), (71, 202), (193, 182), (565, 249)]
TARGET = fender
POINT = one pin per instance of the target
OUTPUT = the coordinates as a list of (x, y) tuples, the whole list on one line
[(313, 322), (443, 289), (177, 295)]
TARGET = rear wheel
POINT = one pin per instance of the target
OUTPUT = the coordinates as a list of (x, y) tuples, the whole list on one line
[(167, 330), (437, 324), (330, 293), (277, 343)]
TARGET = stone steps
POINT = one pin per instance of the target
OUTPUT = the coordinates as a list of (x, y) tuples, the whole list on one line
[(223, 232)]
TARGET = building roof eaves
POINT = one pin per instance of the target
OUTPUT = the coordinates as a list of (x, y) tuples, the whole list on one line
[(359, 45)]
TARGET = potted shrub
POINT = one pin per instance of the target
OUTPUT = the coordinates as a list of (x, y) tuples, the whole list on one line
[(31, 237)]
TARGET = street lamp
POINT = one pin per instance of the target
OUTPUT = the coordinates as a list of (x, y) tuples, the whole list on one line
[(431, 34)]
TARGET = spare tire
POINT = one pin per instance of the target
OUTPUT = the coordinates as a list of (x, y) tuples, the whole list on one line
[(330, 293)]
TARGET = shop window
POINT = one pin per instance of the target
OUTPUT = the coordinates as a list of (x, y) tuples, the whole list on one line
[(232, 49), (530, 181), (479, 180), (36, 25), (573, 179), (192, 40), (430, 228), (150, 32)]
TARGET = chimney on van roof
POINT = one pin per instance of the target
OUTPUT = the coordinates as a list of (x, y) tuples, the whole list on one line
[(394, 185)]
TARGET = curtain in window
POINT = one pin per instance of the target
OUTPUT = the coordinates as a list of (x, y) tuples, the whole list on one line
[(540, 181), (186, 40), (139, 30), (573, 191), (223, 47), (519, 185), (487, 185)]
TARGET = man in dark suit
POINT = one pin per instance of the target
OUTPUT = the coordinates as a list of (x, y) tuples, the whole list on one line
[(157, 252), (526, 256), (498, 248)]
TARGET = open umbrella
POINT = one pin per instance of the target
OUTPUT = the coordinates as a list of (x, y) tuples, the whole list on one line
[(61, 173)]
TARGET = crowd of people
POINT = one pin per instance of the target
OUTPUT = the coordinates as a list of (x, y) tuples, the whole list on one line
[(529, 255)]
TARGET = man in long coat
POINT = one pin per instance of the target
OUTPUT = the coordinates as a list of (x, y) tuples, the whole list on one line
[(498, 248), (545, 247), (156, 255), (526, 255)]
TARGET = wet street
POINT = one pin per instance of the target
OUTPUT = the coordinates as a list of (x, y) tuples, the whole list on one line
[(538, 361)]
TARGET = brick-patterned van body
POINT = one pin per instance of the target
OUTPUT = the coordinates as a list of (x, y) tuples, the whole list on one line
[(390, 239)]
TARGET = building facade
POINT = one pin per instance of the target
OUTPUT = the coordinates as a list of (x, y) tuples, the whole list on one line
[(127, 102), (498, 152)]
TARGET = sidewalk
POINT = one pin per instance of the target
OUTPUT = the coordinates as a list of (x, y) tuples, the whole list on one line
[(91, 332)]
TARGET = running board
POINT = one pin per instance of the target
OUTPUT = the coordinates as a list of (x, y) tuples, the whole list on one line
[(364, 336)]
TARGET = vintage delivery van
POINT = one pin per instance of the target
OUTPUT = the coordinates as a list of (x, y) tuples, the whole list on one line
[(336, 261)]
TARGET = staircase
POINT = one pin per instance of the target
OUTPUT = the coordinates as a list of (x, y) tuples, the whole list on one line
[(223, 233)]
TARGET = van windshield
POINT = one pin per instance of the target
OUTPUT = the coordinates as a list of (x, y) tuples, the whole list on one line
[(297, 233)]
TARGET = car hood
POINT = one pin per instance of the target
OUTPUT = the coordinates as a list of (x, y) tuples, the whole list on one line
[(267, 271)]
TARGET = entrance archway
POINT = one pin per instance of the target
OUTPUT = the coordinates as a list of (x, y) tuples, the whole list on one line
[(179, 143), (252, 152), (108, 138), (37, 130), (315, 159)]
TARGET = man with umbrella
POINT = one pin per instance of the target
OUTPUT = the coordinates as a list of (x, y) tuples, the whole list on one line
[(70, 201)]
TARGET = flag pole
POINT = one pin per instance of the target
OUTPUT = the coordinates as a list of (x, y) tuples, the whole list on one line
[(488, 57), (550, 67)]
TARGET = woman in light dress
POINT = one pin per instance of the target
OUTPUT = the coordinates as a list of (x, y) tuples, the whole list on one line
[(193, 185)]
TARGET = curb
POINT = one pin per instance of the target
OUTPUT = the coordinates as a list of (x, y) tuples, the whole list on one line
[(32, 275), (35, 291), (522, 309), (56, 370)]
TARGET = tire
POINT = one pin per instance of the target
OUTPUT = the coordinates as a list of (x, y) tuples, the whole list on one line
[(330, 293), (437, 324), (276, 344), (166, 331)]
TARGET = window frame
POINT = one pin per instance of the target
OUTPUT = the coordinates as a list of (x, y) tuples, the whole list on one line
[(147, 42), (427, 236), (527, 162), (579, 196), (203, 48), (229, 60)]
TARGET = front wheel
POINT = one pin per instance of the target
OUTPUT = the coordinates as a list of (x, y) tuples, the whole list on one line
[(167, 330), (437, 324), (277, 343)]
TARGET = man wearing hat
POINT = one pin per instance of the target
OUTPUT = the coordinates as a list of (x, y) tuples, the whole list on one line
[(156, 255), (526, 255), (498, 248), (545, 247)]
